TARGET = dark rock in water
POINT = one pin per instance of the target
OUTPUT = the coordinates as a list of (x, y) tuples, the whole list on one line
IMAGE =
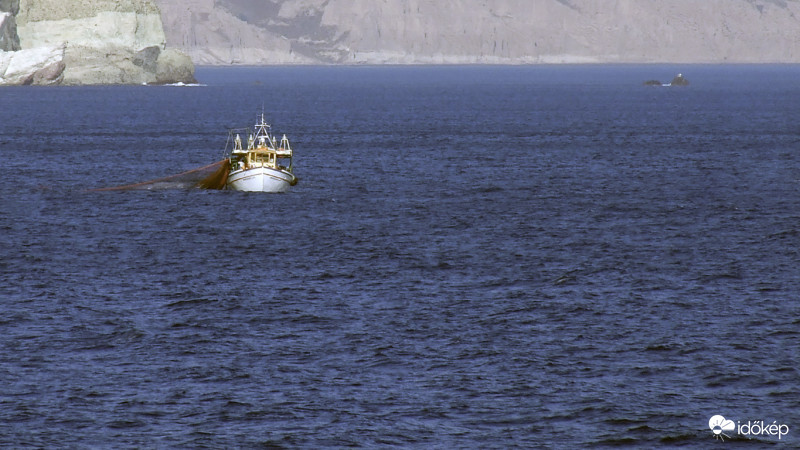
[(679, 80), (174, 67)]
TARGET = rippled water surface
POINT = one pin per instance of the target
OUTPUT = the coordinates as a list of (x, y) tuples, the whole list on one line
[(480, 257)]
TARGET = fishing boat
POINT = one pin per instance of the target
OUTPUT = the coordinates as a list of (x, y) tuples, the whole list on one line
[(264, 165)]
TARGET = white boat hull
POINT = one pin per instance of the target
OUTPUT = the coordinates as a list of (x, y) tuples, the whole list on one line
[(260, 179)]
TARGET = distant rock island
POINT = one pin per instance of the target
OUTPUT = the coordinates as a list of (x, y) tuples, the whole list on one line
[(679, 80), (70, 42), (483, 31)]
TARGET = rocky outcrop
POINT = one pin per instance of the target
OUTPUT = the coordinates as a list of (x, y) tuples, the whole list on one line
[(679, 80), (174, 66), (11, 6), (9, 41), (90, 42), (133, 24), (485, 31), (43, 65)]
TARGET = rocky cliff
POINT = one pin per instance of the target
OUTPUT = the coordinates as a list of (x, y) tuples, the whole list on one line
[(211, 33), (87, 42), (483, 31), (9, 41)]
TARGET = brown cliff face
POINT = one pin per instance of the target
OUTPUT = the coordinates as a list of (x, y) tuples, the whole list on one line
[(483, 31)]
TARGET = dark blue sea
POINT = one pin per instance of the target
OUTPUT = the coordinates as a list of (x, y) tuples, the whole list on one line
[(474, 257)]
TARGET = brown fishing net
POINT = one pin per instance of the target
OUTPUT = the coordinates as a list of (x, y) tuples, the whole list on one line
[(212, 176)]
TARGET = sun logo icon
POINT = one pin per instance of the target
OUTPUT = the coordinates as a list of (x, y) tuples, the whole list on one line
[(718, 424)]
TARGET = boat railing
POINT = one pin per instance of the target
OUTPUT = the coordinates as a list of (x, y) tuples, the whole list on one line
[(258, 139), (232, 142)]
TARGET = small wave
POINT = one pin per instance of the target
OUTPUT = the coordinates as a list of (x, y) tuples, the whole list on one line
[(178, 84), (488, 189), (191, 303), (181, 84)]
